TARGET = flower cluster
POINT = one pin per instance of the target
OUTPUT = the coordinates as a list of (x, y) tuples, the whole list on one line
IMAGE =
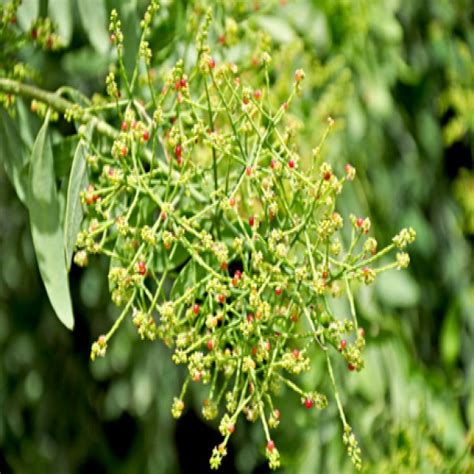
[(224, 235), (203, 188)]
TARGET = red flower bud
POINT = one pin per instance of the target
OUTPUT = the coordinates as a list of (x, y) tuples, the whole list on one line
[(141, 268), (308, 403)]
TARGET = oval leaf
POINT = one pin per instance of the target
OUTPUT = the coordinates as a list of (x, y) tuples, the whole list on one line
[(46, 229)]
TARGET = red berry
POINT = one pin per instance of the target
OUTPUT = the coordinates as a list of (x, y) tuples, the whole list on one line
[(296, 353), (249, 317), (212, 63), (273, 164), (238, 274), (248, 170), (124, 126), (276, 413), (359, 222), (210, 345), (245, 100), (196, 309), (183, 83), (351, 367), (343, 344), (291, 163), (257, 94), (251, 221), (141, 268), (308, 403), (178, 151), (270, 445), (327, 176), (231, 202), (146, 135), (224, 266), (235, 281), (124, 151), (231, 428), (278, 291), (221, 299)]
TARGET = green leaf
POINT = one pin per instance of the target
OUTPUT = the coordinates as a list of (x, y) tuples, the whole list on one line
[(162, 260), (191, 274), (132, 32), (27, 13), (277, 28), (451, 336), (94, 21), (63, 150), (398, 289), (14, 155), (85, 63), (74, 212), (46, 229), (60, 12)]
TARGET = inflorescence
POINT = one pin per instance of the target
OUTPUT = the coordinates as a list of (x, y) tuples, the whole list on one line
[(224, 242)]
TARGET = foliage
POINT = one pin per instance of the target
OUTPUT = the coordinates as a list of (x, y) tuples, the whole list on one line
[(363, 97)]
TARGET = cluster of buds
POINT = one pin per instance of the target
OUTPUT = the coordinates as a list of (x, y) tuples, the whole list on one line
[(225, 240), (43, 33), (99, 348)]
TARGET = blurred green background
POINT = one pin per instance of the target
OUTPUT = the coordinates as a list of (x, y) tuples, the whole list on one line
[(398, 77)]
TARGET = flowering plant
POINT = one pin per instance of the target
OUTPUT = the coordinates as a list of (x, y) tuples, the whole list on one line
[(225, 241)]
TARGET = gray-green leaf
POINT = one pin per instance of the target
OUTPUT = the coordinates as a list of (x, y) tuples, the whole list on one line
[(14, 155), (46, 229), (60, 12), (94, 21), (74, 212)]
